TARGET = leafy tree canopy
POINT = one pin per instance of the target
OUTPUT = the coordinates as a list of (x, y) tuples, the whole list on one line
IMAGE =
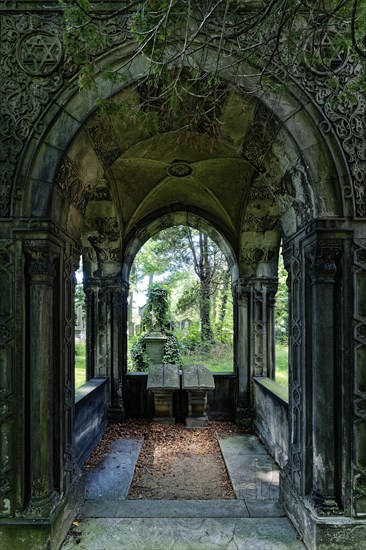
[(190, 44)]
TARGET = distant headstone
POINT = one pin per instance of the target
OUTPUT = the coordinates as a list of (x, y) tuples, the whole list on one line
[(155, 343)]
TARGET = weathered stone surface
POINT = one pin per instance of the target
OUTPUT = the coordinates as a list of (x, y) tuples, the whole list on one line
[(197, 377), (164, 377), (155, 347)]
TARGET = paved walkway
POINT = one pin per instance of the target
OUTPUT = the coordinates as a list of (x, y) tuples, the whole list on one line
[(255, 520)]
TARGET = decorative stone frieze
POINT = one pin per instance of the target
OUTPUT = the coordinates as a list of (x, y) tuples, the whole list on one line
[(7, 388), (345, 112), (359, 390)]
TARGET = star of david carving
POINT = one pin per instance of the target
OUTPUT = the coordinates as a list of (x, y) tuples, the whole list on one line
[(39, 54)]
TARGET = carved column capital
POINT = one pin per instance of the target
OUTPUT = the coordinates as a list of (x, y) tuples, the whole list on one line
[(323, 260), (241, 291), (40, 259)]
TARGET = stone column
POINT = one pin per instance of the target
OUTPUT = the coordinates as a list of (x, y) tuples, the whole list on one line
[(271, 338), (241, 296), (91, 301), (41, 273), (324, 369), (118, 326)]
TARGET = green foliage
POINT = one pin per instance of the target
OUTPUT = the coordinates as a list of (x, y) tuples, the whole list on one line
[(179, 91), (172, 350), (190, 339), (139, 357), (156, 318), (80, 364), (282, 364), (217, 357), (156, 314), (281, 310)]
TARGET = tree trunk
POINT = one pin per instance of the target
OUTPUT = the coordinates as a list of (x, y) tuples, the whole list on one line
[(205, 290), (223, 305)]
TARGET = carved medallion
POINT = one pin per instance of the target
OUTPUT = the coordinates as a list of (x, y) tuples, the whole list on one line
[(39, 54), (179, 169)]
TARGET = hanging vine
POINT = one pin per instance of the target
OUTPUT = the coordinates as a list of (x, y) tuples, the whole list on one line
[(197, 52)]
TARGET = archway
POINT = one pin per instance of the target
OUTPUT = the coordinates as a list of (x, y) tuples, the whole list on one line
[(287, 160)]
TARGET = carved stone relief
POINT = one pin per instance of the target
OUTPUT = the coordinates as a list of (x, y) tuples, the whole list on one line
[(71, 186), (345, 111), (104, 139), (7, 390), (32, 71), (261, 224), (293, 265), (256, 255), (359, 390), (260, 136)]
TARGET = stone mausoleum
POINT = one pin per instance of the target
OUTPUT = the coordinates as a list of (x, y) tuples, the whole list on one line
[(290, 167)]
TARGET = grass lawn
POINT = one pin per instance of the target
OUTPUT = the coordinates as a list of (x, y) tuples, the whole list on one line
[(80, 365), (218, 359), (282, 364)]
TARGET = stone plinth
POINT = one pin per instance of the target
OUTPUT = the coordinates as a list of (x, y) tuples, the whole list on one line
[(155, 342), (163, 381), (197, 380)]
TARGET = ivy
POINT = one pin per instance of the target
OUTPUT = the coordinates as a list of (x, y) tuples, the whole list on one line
[(139, 356)]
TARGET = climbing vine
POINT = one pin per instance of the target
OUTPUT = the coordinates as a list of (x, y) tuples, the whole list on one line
[(156, 319)]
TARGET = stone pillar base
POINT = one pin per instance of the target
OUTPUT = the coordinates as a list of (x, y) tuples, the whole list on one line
[(317, 531), (163, 404), (24, 533), (243, 417), (116, 414)]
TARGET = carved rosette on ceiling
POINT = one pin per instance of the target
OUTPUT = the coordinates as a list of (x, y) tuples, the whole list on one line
[(179, 169)]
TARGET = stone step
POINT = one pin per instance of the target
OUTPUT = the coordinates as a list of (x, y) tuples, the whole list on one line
[(181, 509), (185, 534)]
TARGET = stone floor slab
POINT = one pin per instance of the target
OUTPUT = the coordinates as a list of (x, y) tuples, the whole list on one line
[(253, 475), (241, 445), (182, 509), (184, 534), (111, 481)]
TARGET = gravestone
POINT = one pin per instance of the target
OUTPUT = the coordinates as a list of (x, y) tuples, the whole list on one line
[(155, 342), (197, 380), (163, 381)]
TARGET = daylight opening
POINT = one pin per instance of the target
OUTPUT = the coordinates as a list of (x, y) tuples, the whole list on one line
[(281, 325), (180, 286), (80, 329)]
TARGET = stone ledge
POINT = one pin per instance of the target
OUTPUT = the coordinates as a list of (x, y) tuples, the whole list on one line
[(280, 393)]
